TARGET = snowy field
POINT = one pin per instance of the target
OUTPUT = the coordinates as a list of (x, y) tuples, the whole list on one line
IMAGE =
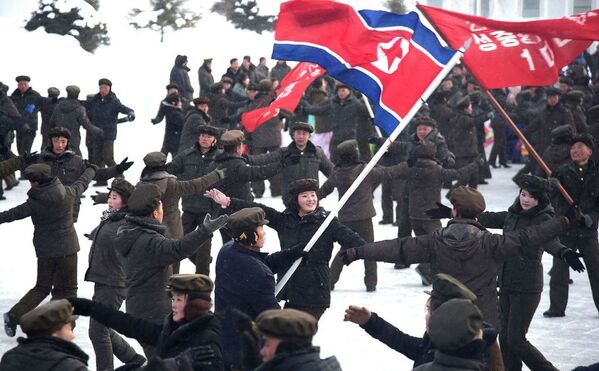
[(139, 66)]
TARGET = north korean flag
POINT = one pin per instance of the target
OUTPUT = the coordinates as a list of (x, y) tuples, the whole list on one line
[(390, 58)]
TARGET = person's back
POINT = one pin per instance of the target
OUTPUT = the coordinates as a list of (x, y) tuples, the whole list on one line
[(44, 354)]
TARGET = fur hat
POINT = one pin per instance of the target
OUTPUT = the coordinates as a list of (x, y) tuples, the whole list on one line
[(59, 131), (201, 100), (585, 138), (445, 288), (105, 81), (23, 78), (302, 185)]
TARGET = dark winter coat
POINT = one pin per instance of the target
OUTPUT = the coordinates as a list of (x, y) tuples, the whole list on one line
[(523, 271), (443, 113), (192, 163), (230, 73), (307, 359), (555, 156), (262, 72), (44, 354), (219, 107), (444, 155), (70, 113), (250, 72), (169, 338), (360, 205), (538, 132), (310, 285), (10, 119), (322, 124), (424, 182), (296, 164), (46, 112), (104, 113), (579, 117), (464, 135), (240, 173), (467, 251), (193, 120), (583, 186), (268, 134), (206, 80), (174, 127), (50, 207), (244, 282), (344, 115), (279, 71), (180, 76), (444, 362), (105, 265), (171, 190), (22, 100), (147, 258)]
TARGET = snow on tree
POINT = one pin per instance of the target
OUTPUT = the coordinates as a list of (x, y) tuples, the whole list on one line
[(77, 18), (164, 14), (396, 6), (244, 14)]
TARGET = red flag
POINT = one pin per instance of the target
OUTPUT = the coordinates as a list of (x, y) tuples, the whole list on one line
[(288, 95), (516, 53)]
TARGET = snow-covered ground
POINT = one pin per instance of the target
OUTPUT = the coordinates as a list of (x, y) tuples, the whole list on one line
[(138, 64)]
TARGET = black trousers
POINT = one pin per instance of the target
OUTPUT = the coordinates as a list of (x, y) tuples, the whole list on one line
[(317, 312), (202, 257), (560, 273), (365, 230), (471, 181), (517, 310), (499, 145), (103, 152), (25, 141), (56, 276), (387, 199), (106, 342)]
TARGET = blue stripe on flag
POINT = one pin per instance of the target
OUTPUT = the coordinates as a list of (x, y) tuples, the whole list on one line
[(336, 68), (422, 35)]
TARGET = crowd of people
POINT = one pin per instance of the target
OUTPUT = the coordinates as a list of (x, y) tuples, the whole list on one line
[(485, 287)]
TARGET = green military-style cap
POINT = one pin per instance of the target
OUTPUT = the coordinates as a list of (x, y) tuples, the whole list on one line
[(347, 148), (288, 325), (232, 138), (210, 130), (143, 198), (468, 200), (122, 187), (47, 317), (38, 172), (155, 159), (246, 220), (445, 288), (454, 324), (190, 282)]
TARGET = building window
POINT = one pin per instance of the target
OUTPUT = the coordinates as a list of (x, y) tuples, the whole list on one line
[(531, 8), (485, 9), (437, 3), (581, 6)]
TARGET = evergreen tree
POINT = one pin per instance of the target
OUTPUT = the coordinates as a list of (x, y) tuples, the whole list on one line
[(244, 14), (165, 14), (396, 6), (75, 18)]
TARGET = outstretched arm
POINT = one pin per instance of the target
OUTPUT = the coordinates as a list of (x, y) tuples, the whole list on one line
[(16, 213)]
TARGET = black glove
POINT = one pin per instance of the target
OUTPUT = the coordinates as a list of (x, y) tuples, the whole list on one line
[(31, 158), (350, 255), (574, 215), (213, 225), (154, 121), (131, 116), (199, 356), (441, 212), (297, 252), (100, 198), (88, 163), (480, 161), (124, 165), (82, 307), (573, 259)]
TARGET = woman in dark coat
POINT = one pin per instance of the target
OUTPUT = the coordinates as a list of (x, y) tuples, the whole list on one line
[(190, 333), (309, 288), (520, 277), (108, 275)]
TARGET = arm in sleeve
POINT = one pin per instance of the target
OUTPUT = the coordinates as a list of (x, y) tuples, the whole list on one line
[(254, 172), (106, 173), (494, 220), (176, 166), (326, 166), (16, 213), (87, 125), (394, 338), (326, 188), (123, 109), (159, 115), (345, 236), (406, 250), (265, 158), (462, 173), (126, 324), (503, 246), (81, 184), (197, 185), (11, 165), (165, 251)]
